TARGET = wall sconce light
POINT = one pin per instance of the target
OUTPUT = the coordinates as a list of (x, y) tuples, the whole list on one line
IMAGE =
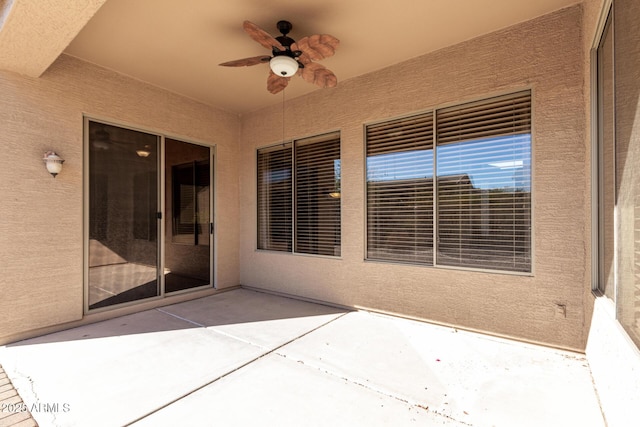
[(53, 162)]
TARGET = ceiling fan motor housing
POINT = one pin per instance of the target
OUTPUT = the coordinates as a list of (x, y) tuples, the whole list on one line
[(285, 41), (284, 27), (284, 62)]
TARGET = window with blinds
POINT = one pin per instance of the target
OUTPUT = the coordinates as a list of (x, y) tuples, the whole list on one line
[(317, 181), (299, 196), (400, 190), (275, 183), (484, 184), (481, 155)]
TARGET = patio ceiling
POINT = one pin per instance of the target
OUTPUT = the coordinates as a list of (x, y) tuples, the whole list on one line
[(178, 45)]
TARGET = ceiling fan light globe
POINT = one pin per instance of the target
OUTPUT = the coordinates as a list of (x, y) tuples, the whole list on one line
[(284, 66)]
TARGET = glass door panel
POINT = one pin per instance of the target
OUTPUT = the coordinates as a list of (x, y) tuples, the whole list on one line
[(626, 98), (123, 224), (187, 247)]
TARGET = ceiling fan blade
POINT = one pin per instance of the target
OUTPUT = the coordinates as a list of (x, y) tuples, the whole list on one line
[(261, 36), (276, 83), (318, 46), (319, 75), (245, 62)]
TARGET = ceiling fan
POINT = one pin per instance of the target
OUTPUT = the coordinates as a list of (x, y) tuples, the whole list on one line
[(289, 56)]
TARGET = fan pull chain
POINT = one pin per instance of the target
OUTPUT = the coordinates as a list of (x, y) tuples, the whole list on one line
[(283, 142)]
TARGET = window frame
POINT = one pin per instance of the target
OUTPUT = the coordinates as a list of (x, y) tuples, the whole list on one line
[(612, 281), (597, 159), (435, 110), (160, 216)]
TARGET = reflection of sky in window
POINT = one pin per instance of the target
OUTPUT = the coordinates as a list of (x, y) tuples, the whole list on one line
[(400, 165), (496, 162), (277, 175)]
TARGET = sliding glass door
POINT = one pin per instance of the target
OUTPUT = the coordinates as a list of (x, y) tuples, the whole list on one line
[(123, 224), (187, 247), (149, 221)]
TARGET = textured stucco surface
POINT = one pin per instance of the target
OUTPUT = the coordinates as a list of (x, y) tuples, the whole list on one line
[(546, 55), (41, 243), (34, 33), (41, 227)]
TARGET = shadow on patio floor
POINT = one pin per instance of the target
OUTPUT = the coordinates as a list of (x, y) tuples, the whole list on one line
[(247, 358), (227, 308)]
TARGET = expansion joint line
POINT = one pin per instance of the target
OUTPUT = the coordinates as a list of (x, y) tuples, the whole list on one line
[(208, 383)]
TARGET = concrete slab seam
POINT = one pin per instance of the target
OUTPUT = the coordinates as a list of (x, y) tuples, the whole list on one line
[(380, 391), (200, 325), (228, 335), (208, 383), (595, 390), (180, 318)]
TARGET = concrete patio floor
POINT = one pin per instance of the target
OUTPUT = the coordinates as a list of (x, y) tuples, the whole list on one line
[(245, 358)]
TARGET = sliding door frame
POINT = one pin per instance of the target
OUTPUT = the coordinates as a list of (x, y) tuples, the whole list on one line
[(161, 176)]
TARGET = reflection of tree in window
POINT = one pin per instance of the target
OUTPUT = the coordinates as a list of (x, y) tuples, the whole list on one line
[(457, 182), (190, 186)]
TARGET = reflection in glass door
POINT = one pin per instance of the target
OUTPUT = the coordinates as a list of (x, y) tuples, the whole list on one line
[(145, 216), (188, 228), (122, 215)]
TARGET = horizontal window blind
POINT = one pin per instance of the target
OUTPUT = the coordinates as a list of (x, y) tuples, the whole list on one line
[(484, 184), (275, 180), (400, 189), (505, 115), (482, 203), (317, 190)]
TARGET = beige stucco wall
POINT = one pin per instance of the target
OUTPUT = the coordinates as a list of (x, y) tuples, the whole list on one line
[(41, 243), (41, 226), (546, 55)]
